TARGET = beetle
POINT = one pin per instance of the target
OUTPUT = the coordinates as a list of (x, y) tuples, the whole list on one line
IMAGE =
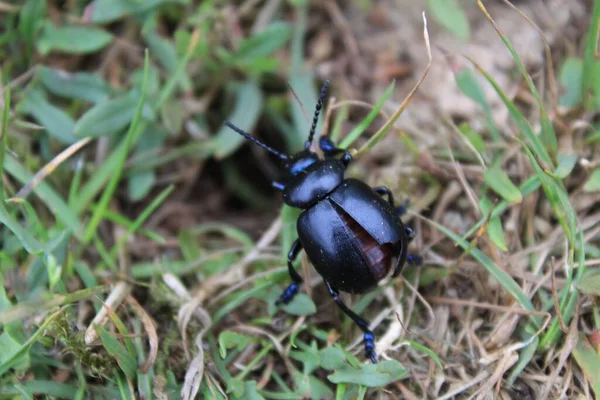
[(350, 233)]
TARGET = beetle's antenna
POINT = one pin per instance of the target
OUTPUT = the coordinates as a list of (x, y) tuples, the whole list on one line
[(255, 140), (316, 116)]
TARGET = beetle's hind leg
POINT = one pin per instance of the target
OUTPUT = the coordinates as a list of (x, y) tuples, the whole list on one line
[(368, 337), (291, 291), (385, 191)]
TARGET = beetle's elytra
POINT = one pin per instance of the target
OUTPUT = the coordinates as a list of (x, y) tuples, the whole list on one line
[(351, 234)]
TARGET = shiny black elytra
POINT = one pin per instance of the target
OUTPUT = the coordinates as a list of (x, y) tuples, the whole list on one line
[(349, 232)]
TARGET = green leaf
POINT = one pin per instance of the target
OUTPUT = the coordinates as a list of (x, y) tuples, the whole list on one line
[(426, 350), (264, 43), (128, 141), (301, 305), (104, 11), (370, 375), (311, 387), (590, 285), (9, 346), (494, 228), (566, 163), (593, 182), (46, 194), (29, 242), (525, 355), (79, 85), (451, 16), (590, 78), (231, 340), (31, 20), (332, 358), (588, 359), (571, 74), (470, 86), (247, 109), (251, 392), (72, 39), (140, 184), (499, 181), (58, 123), (4, 137), (109, 117), (126, 362)]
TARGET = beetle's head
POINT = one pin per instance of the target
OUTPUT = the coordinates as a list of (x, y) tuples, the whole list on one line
[(300, 162)]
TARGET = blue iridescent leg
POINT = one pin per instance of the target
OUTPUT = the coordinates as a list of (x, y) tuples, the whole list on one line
[(289, 293), (384, 191), (401, 209), (368, 337), (328, 148), (414, 259)]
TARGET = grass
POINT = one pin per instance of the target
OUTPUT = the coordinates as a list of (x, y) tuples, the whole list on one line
[(141, 251)]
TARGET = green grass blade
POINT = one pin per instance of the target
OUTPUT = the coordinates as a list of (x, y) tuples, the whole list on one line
[(27, 240), (103, 174), (468, 84), (498, 273), (144, 215), (120, 162), (548, 133), (558, 199), (589, 60), (500, 183), (366, 122), (47, 195), (569, 297), (522, 123), (588, 359), (7, 364), (4, 137)]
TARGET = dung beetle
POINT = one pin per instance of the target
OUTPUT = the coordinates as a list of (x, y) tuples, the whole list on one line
[(349, 232)]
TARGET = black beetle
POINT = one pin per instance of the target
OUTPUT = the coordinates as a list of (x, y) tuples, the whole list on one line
[(349, 232)]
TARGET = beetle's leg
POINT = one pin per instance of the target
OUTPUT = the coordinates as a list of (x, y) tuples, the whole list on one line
[(401, 209), (278, 185), (410, 233), (289, 293), (368, 337), (328, 148), (414, 259), (384, 191)]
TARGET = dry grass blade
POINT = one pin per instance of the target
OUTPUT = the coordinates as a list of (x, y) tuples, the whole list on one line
[(299, 103), (565, 352), (549, 65), (383, 130), (150, 327), (464, 387), (121, 290), (50, 168), (555, 297)]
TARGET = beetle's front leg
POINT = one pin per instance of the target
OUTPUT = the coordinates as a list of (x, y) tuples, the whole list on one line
[(328, 148), (289, 293), (368, 337)]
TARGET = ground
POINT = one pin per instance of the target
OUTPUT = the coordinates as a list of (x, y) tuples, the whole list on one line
[(142, 246)]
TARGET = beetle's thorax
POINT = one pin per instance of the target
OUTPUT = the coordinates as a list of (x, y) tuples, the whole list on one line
[(310, 179)]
